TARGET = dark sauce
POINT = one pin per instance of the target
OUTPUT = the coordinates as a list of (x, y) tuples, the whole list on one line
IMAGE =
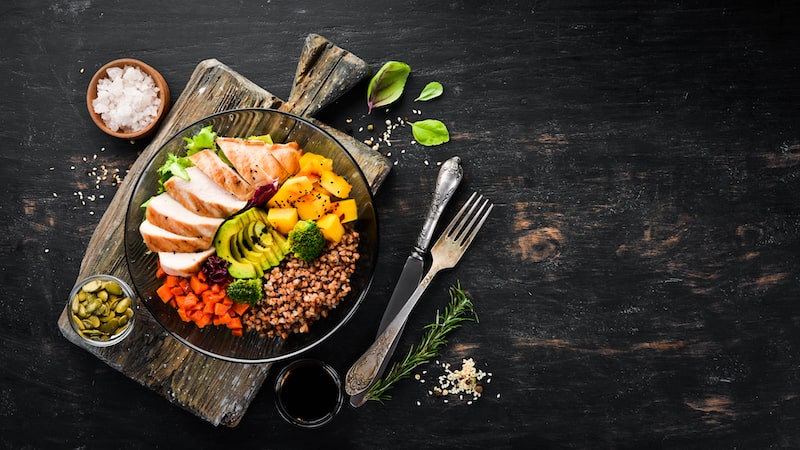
[(309, 393)]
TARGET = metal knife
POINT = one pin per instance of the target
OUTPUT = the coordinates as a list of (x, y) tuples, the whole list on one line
[(450, 175)]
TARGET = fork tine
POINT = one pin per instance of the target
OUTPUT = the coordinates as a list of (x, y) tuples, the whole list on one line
[(466, 220), (457, 220), (475, 224)]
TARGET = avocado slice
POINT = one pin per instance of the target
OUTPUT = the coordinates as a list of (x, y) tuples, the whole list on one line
[(249, 244)]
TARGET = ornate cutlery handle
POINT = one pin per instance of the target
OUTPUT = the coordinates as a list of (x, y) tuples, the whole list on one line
[(447, 182), (374, 361)]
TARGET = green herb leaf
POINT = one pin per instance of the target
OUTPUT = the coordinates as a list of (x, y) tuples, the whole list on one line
[(387, 85), (431, 91), (173, 166), (202, 140), (458, 310), (430, 132)]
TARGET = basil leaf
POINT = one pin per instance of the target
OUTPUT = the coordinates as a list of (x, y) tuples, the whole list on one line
[(387, 85), (430, 132), (431, 91)]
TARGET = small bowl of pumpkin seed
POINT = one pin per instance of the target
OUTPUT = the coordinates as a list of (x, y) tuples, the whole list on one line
[(102, 309)]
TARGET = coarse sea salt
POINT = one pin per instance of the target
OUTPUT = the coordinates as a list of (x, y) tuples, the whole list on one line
[(127, 99)]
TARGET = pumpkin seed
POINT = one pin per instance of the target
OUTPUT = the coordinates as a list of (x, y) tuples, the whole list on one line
[(93, 286), (100, 310)]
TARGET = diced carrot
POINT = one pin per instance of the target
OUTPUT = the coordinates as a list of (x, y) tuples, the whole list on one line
[(164, 293), (203, 320), (237, 332), (184, 316), (202, 276), (208, 307), (172, 280), (187, 301), (197, 285), (177, 290), (220, 309), (222, 319), (235, 322), (240, 308)]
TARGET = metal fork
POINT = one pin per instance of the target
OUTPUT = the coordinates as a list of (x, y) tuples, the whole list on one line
[(446, 253)]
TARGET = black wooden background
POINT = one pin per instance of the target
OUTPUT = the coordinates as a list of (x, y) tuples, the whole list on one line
[(636, 285)]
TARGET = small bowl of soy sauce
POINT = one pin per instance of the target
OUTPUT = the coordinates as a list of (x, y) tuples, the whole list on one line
[(308, 393)]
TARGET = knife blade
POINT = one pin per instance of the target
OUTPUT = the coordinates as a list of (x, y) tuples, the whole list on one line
[(450, 175)]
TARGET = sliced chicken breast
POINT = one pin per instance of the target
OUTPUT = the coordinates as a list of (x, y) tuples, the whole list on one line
[(160, 240), (288, 155), (222, 174), (165, 212), (184, 264), (253, 160), (202, 196)]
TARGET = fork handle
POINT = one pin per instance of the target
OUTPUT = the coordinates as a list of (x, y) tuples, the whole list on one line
[(366, 370)]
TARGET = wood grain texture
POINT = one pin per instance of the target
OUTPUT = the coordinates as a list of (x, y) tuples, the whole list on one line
[(215, 390)]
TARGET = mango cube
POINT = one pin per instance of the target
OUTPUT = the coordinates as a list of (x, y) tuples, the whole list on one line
[(290, 192), (335, 184), (282, 219), (331, 227), (312, 206), (346, 210)]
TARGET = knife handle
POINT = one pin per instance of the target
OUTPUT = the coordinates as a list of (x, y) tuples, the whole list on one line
[(367, 368), (447, 182)]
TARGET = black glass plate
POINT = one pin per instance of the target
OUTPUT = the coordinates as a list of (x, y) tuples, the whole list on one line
[(218, 341)]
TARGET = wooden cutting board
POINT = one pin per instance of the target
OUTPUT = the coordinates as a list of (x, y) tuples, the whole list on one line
[(214, 390)]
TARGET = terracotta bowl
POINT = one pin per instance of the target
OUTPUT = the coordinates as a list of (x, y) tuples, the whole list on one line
[(163, 94)]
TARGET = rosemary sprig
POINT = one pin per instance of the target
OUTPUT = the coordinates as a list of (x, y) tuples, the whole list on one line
[(458, 310)]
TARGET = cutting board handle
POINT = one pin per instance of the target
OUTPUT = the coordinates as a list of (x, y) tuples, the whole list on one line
[(324, 72)]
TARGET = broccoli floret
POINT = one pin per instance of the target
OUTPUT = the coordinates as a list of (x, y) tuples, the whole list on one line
[(204, 139), (306, 240), (245, 290)]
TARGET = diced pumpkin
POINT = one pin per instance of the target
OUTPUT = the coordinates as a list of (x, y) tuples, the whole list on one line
[(282, 219), (312, 206), (290, 191), (335, 184), (316, 161), (331, 227), (347, 210), (312, 165)]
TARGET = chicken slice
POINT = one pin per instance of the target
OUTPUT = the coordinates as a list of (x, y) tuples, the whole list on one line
[(222, 174), (165, 212), (202, 196), (183, 264), (288, 155), (253, 160), (160, 240)]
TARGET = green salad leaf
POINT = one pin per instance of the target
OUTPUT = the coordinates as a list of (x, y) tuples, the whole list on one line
[(202, 140), (430, 132), (430, 91), (387, 85), (174, 165)]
